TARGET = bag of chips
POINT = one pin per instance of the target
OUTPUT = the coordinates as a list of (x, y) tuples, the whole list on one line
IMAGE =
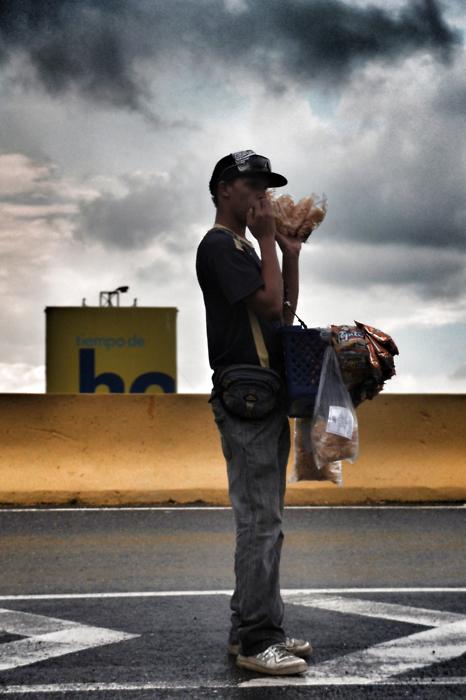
[(334, 428), (365, 356), (299, 219), (304, 466)]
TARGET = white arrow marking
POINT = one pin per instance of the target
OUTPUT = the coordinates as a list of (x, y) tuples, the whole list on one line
[(381, 662), (48, 637), (371, 608)]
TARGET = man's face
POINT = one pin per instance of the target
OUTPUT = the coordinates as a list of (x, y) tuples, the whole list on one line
[(244, 192)]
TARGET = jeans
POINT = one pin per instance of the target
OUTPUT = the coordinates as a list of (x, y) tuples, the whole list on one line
[(256, 453)]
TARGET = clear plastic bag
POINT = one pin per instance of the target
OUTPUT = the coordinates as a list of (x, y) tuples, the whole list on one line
[(334, 429), (298, 219), (304, 466)]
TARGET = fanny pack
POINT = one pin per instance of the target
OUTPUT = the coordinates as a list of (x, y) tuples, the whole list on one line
[(249, 391)]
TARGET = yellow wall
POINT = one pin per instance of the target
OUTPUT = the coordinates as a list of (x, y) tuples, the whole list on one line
[(113, 449)]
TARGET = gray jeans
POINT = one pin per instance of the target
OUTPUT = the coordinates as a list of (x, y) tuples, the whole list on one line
[(256, 453)]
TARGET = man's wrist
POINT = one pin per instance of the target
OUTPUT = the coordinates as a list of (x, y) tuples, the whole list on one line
[(291, 254), (267, 241)]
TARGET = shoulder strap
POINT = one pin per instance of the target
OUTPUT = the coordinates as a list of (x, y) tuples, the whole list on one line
[(258, 336), (240, 242)]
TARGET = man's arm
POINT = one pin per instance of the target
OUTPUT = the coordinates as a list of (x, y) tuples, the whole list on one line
[(268, 300), (291, 248)]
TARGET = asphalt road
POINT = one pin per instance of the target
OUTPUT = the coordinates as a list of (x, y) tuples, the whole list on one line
[(133, 603)]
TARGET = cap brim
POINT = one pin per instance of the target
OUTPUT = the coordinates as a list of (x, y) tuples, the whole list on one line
[(274, 179)]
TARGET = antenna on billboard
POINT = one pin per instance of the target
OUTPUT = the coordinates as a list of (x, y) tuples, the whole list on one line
[(106, 298)]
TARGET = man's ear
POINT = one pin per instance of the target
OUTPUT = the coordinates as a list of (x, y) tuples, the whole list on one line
[(223, 191)]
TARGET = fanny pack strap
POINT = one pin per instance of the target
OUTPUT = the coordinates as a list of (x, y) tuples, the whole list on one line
[(261, 349), (259, 342)]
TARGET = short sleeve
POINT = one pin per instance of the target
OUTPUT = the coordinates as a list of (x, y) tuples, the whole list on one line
[(235, 271)]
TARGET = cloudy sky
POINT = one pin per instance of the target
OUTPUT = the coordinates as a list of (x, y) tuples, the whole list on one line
[(113, 113)]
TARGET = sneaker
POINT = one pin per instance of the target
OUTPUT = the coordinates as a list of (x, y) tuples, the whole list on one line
[(275, 660), (298, 647)]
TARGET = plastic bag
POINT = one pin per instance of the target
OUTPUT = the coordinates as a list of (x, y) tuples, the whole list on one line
[(334, 429), (298, 219), (304, 466)]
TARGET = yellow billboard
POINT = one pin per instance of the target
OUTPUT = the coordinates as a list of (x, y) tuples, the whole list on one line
[(129, 350)]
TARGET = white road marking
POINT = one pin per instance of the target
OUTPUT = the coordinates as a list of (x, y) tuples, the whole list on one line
[(379, 663), (376, 665), (369, 608), (49, 637), (72, 509), (285, 592), (122, 687)]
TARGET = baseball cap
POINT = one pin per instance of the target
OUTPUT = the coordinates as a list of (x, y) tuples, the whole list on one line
[(244, 163)]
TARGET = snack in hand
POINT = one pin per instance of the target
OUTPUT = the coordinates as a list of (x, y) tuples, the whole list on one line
[(299, 219)]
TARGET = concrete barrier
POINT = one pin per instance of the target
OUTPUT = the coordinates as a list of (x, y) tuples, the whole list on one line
[(120, 449)]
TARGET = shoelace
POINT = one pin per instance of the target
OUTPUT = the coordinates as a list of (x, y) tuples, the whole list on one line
[(279, 651)]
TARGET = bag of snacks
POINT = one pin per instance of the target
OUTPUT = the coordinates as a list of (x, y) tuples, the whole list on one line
[(304, 466), (365, 356), (299, 219), (334, 429)]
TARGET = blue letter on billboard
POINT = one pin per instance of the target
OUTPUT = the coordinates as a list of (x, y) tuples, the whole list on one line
[(147, 379), (87, 379)]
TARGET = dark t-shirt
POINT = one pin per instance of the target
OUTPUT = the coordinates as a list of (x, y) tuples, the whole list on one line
[(227, 273)]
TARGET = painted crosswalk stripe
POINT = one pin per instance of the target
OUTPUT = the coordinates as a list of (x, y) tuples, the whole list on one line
[(50, 688), (225, 591), (48, 637)]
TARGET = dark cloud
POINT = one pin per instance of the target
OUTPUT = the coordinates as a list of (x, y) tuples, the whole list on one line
[(434, 216), (401, 178), (97, 46), (425, 272), (153, 207), (72, 44), (128, 221), (328, 40)]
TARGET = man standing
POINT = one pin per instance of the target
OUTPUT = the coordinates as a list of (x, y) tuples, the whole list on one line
[(241, 289)]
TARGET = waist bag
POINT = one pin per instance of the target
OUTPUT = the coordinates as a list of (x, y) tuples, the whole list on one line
[(250, 391)]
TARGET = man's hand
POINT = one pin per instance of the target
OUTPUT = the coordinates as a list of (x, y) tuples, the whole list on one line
[(289, 245), (260, 220)]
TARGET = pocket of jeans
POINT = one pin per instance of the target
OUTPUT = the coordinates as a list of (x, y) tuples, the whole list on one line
[(219, 416), (226, 449), (218, 411)]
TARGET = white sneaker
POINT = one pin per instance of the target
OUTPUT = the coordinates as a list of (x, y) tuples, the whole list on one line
[(298, 647), (275, 660)]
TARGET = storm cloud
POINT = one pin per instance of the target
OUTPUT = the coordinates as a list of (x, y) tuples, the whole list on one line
[(150, 209), (99, 48)]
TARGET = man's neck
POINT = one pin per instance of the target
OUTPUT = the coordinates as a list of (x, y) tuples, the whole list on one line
[(231, 223)]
